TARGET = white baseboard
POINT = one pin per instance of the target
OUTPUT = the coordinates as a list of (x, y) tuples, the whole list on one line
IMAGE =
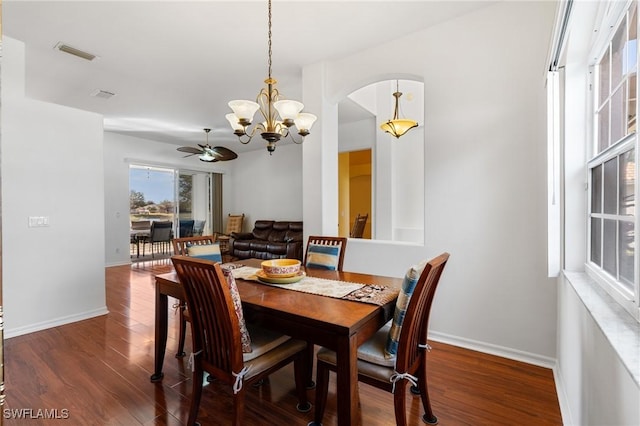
[(516, 355), (9, 333), (119, 263), (563, 400)]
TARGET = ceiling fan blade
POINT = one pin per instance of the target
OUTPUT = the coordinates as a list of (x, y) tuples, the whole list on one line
[(190, 150), (224, 154)]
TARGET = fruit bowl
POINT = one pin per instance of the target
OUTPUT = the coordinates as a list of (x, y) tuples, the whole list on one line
[(281, 268)]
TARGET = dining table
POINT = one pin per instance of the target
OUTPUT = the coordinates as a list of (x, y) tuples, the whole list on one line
[(338, 323)]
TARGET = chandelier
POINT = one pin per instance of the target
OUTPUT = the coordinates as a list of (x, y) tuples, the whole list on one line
[(398, 126), (279, 114)]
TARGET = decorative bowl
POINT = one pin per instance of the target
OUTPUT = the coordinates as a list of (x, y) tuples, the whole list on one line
[(281, 268)]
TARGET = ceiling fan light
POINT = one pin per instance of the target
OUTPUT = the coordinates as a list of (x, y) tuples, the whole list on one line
[(244, 110), (304, 121), (398, 127), (287, 109), (206, 157)]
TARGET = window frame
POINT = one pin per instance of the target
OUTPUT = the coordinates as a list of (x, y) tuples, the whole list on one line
[(629, 299)]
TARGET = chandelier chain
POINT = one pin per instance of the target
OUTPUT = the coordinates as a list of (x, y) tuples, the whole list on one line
[(269, 34)]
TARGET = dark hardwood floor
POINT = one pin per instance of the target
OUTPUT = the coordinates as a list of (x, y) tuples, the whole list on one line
[(96, 372)]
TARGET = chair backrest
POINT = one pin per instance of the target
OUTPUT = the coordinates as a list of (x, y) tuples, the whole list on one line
[(358, 226), (198, 227), (141, 225), (416, 321), (186, 227), (180, 244), (214, 322), (234, 223), (160, 231), (330, 242)]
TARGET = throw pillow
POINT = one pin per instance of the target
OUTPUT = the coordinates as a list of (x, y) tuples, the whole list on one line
[(237, 304), (408, 285), (323, 256), (205, 251)]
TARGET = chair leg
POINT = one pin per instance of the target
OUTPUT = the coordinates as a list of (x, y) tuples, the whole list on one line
[(238, 407), (322, 389), (399, 397), (300, 373), (310, 355), (196, 394), (428, 417), (182, 332)]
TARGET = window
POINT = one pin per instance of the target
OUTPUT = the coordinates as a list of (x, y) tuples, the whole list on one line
[(612, 258)]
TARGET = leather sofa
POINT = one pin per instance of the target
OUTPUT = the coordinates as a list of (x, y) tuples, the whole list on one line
[(269, 240)]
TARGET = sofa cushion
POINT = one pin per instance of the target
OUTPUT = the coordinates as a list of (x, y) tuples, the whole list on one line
[(262, 229)]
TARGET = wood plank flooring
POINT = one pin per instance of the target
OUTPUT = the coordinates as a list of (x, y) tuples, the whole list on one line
[(96, 372)]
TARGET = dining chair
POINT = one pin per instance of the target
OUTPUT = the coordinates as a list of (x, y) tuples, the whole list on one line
[(198, 227), (185, 228), (160, 233), (218, 338), (379, 368), (234, 224), (325, 252), (358, 226), (181, 247)]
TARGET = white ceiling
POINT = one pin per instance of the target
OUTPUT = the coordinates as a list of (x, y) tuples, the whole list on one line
[(174, 65)]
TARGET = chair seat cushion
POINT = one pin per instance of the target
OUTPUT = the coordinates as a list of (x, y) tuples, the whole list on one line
[(262, 341), (323, 256), (373, 350), (205, 251), (408, 285)]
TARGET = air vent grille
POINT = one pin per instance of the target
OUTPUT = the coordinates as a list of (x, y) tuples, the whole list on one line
[(75, 52), (103, 94)]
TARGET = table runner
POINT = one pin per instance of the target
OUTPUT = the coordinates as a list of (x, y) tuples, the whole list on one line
[(374, 294)]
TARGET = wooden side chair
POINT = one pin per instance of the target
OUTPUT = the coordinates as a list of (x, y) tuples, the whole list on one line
[(217, 319), (375, 365), (234, 224), (325, 252), (181, 247), (358, 226)]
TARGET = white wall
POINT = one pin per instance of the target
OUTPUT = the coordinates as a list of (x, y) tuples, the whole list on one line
[(119, 152), (264, 186), (595, 388), (51, 166), (485, 181)]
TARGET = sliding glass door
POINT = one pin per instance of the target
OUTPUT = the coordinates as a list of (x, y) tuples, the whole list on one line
[(182, 197)]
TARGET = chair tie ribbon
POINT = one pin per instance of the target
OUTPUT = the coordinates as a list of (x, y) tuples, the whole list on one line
[(239, 379), (191, 363), (425, 346), (402, 376)]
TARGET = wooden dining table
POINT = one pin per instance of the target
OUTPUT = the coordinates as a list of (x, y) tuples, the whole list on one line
[(338, 324)]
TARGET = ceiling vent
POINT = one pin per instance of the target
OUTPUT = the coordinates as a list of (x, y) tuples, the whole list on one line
[(102, 94), (75, 52)]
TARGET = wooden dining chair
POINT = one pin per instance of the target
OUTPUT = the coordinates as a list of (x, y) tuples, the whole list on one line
[(217, 319), (181, 247), (377, 368), (325, 252), (358, 226)]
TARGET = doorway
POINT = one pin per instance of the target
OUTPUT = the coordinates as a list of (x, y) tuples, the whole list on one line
[(354, 190)]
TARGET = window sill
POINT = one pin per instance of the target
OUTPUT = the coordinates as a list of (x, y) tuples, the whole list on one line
[(618, 326)]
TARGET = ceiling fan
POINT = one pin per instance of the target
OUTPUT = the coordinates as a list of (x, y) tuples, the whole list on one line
[(208, 153)]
